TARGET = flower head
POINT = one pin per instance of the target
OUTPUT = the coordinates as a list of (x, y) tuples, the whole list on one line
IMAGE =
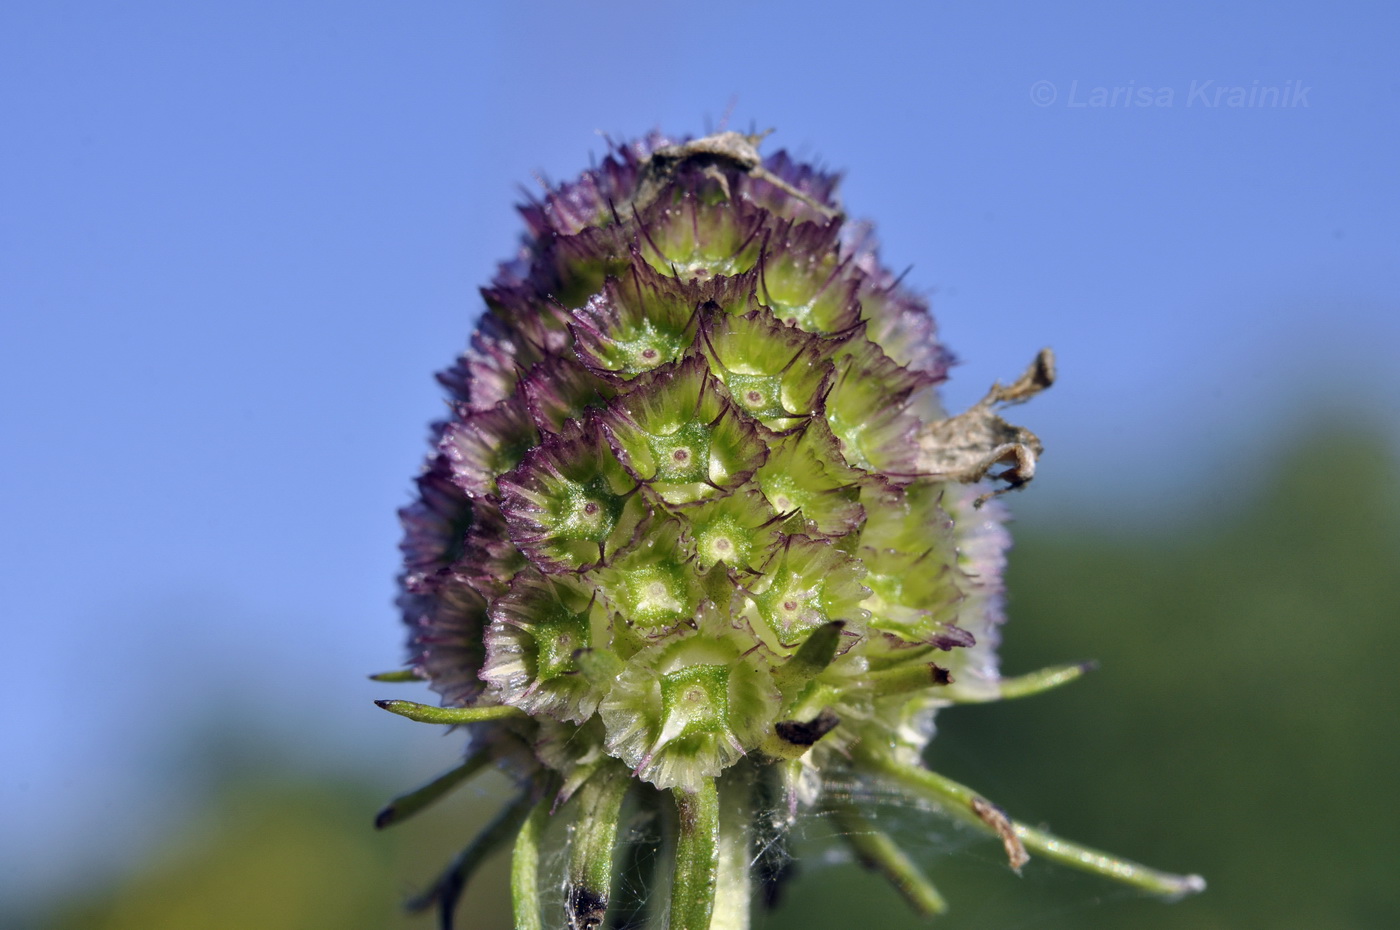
[(697, 525)]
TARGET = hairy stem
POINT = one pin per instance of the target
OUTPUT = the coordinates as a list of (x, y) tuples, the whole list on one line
[(697, 857), (732, 884), (525, 867)]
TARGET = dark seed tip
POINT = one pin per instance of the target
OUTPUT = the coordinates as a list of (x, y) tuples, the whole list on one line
[(806, 733), (586, 908)]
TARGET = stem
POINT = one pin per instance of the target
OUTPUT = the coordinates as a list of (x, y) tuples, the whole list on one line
[(732, 891), (411, 802), (966, 804), (427, 713), (878, 852), (776, 797), (591, 847), (525, 867), (697, 857)]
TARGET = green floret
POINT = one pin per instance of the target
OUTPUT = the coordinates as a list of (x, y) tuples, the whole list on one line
[(675, 432)]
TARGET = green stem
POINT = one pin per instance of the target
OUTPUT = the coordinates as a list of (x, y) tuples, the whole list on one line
[(697, 857), (525, 867), (732, 880), (878, 852), (777, 798), (592, 845), (427, 713), (409, 803), (963, 802)]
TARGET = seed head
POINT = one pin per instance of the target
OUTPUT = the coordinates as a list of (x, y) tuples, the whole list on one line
[(698, 524)]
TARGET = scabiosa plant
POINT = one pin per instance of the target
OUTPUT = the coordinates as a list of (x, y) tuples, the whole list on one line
[(697, 543)]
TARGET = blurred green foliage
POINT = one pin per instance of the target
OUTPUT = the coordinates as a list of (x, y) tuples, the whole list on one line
[(1242, 726)]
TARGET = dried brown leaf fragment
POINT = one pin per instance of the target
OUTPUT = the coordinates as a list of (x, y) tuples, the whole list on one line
[(966, 448), (713, 155)]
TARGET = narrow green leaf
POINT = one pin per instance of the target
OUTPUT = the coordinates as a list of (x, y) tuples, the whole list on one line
[(965, 804), (411, 802), (878, 852)]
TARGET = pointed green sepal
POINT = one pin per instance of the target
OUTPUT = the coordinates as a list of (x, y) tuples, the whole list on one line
[(450, 716), (811, 658), (1040, 681), (399, 675)]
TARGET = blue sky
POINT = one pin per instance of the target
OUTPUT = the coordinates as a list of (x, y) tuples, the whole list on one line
[(237, 239)]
